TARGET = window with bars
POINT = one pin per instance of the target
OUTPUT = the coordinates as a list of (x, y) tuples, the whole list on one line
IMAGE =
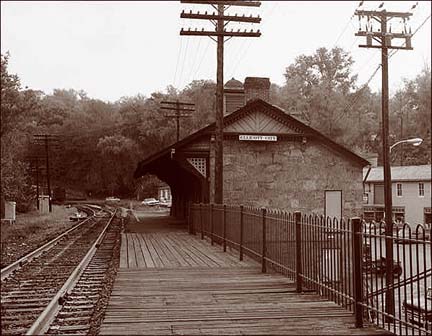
[(399, 189), (421, 189)]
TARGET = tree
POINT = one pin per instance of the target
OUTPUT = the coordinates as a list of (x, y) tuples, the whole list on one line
[(410, 116), (118, 156), (15, 105), (317, 88)]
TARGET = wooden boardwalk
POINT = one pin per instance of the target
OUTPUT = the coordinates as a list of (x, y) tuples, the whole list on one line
[(172, 283)]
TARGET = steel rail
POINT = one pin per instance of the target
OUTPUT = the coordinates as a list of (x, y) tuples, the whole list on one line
[(6, 271), (43, 322)]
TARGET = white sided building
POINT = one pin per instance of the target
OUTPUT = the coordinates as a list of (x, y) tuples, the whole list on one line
[(411, 194)]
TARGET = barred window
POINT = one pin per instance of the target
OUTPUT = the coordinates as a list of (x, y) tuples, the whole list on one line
[(399, 189), (421, 189)]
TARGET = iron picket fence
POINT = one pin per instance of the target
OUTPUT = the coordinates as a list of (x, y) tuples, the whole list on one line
[(341, 260)]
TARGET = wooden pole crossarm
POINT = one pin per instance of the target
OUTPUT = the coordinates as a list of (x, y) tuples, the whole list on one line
[(175, 103), (224, 33), (382, 13), (380, 34), (380, 47), (180, 115), (226, 3), (213, 16), (174, 109)]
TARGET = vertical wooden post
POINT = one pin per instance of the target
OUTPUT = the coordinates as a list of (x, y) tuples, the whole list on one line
[(201, 224), (189, 219), (220, 24), (357, 271), (298, 241), (264, 243), (211, 223), (241, 233), (224, 228)]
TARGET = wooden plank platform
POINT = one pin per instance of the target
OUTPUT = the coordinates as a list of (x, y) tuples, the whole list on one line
[(172, 283)]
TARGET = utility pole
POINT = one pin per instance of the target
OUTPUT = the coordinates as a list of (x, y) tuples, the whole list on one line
[(45, 140), (220, 20), (180, 108), (384, 36), (34, 168)]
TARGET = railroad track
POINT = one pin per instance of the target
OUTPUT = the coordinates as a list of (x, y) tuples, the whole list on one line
[(37, 286)]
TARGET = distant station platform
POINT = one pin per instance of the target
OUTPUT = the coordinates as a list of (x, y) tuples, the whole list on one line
[(173, 283)]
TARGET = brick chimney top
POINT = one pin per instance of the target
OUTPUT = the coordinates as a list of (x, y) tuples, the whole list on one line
[(257, 87)]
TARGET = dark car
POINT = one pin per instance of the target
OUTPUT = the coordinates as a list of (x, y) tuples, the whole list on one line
[(420, 313)]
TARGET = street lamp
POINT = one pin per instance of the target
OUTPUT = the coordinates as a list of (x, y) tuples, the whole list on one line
[(414, 141), (388, 215)]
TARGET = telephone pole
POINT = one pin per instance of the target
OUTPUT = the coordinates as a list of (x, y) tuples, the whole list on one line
[(35, 171), (384, 36), (45, 141), (220, 20), (180, 109)]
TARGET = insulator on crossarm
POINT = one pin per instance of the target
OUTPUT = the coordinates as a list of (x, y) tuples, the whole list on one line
[(205, 12), (202, 29), (410, 31), (190, 11), (390, 29), (198, 12), (258, 31), (196, 29), (238, 30)]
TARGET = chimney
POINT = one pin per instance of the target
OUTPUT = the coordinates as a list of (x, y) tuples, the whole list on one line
[(233, 96), (256, 87)]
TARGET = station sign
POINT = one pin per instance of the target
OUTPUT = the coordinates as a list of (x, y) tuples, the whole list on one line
[(247, 137)]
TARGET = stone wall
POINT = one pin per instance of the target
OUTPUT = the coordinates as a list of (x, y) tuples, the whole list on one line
[(289, 175)]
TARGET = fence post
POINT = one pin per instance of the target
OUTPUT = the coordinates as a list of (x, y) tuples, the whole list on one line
[(298, 241), (357, 271), (189, 220), (202, 226), (211, 223), (264, 243), (224, 227), (241, 233)]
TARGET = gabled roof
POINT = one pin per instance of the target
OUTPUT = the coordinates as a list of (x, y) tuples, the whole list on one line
[(275, 112), (400, 174)]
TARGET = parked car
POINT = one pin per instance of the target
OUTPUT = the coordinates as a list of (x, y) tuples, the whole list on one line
[(77, 216), (165, 204), (150, 201), (420, 313), (112, 199)]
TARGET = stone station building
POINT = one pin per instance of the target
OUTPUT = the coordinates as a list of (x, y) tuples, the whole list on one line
[(270, 159)]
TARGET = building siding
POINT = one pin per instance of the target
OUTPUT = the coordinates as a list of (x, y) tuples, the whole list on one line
[(289, 175), (413, 203)]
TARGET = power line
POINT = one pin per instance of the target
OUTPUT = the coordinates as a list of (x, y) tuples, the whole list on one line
[(358, 93), (181, 111), (219, 20)]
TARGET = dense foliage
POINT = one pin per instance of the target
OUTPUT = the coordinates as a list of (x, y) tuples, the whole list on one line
[(101, 142)]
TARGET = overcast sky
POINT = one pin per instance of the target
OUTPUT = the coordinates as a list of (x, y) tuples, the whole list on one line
[(114, 49)]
